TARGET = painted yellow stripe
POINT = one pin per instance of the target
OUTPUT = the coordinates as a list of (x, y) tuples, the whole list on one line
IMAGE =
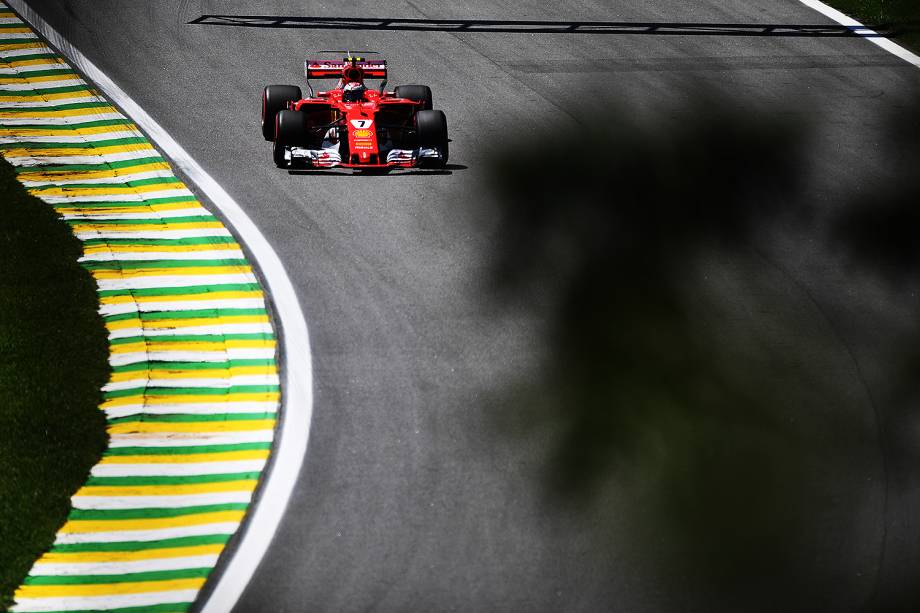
[(186, 323), (191, 458), (108, 191), (106, 589), (52, 131), (37, 44), (8, 97), (92, 557), (142, 427), (153, 208), (188, 489), (71, 151), (117, 525), (64, 76), (12, 62), (65, 113), (93, 174), (89, 249), (158, 272), (154, 396), (22, 30), (198, 225), (165, 345), (194, 373), (108, 300)]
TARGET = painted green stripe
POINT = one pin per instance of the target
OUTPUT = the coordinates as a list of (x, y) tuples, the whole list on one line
[(128, 265), (144, 366), (179, 607), (70, 106), (16, 41), (40, 145), (25, 75), (159, 575), (195, 338), (181, 480), (192, 290), (185, 541), (50, 90), (187, 314), (174, 418), (157, 513), (189, 391), (96, 123), (144, 202), (191, 450), (143, 222), (166, 242), (8, 62), (169, 180)]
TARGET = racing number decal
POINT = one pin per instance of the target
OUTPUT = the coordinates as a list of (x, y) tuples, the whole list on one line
[(362, 123)]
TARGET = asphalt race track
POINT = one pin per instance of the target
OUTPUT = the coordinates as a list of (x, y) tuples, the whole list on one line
[(408, 501)]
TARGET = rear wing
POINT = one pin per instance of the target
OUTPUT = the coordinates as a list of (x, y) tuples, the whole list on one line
[(348, 69)]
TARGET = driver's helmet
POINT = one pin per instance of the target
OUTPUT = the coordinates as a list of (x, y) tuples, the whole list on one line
[(353, 92)]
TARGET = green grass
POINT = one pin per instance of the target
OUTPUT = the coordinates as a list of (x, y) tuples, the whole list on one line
[(53, 360), (899, 17)]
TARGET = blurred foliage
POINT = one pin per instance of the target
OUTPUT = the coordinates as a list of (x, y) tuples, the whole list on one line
[(676, 369), (899, 19), (53, 362)]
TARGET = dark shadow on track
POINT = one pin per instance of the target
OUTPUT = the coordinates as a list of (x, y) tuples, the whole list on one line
[(529, 26)]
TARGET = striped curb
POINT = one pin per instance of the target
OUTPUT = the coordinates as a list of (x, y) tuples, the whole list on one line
[(194, 393)]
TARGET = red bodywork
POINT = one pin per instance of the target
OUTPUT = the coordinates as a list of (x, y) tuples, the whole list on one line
[(380, 115)]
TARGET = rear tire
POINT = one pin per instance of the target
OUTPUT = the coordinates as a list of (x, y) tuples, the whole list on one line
[(419, 93), (431, 130), (290, 131), (275, 98)]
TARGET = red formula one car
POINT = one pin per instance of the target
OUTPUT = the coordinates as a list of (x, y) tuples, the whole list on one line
[(351, 125)]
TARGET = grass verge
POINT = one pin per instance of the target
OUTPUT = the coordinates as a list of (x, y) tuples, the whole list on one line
[(53, 361), (899, 18)]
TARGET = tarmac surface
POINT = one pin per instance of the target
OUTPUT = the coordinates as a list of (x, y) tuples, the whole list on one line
[(408, 501)]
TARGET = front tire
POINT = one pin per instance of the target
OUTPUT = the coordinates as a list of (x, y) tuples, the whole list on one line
[(290, 131), (431, 130), (275, 98)]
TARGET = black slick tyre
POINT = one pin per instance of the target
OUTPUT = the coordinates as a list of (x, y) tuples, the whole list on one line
[(290, 131), (275, 98), (431, 130), (419, 93)]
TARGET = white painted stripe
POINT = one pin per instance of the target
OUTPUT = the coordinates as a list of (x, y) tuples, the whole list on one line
[(68, 160), (189, 439), (65, 80), (213, 408), (89, 216), (151, 307), (861, 30), (79, 139), (11, 20), (221, 355), (17, 35), (291, 447), (175, 191), (124, 256), (178, 469), (13, 71), (126, 536), (117, 180), (164, 234), (48, 103), (146, 502), (102, 603), (218, 329), (210, 383), (33, 48), (169, 280), (73, 569)]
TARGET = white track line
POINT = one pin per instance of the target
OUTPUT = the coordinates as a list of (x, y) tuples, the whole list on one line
[(291, 446), (863, 31)]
